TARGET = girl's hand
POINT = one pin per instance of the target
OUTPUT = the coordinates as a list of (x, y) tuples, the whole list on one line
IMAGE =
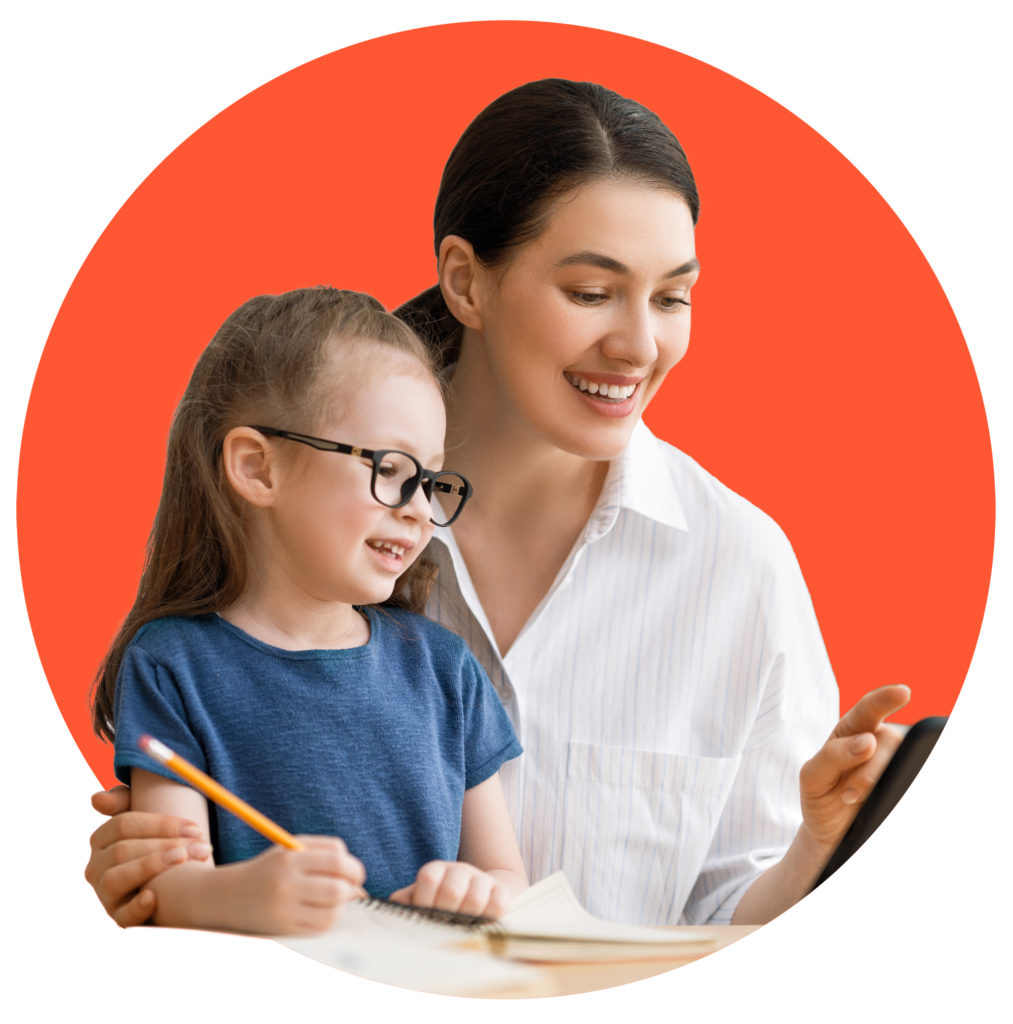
[(287, 892), (835, 782), (131, 849), (457, 886)]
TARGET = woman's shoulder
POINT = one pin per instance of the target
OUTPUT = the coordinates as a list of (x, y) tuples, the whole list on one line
[(706, 502)]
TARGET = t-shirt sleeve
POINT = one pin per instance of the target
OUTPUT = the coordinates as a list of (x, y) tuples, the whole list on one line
[(149, 701), (489, 737)]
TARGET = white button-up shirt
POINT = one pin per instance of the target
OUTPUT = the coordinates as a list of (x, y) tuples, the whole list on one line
[(666, 691)]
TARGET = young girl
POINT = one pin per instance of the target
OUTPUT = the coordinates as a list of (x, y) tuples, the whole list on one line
[(295, 504)]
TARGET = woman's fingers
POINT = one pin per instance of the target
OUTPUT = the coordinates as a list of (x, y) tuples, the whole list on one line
[(112, 801), (850, 763), (869, 712), (143, 825)]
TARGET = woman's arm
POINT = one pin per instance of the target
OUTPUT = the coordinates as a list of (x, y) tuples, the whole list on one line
[(488, 871), (132, 848), (833, 785), (278, 892)]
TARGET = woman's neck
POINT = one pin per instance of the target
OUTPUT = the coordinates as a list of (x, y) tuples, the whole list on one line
[(531, 502)]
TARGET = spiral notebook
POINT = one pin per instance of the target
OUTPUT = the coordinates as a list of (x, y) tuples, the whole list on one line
[(545, 923)]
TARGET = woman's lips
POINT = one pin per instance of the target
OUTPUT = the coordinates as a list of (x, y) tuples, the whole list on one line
[(608, 395)]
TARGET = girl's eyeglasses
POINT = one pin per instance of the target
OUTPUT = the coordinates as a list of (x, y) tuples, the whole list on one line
[(397, 476)]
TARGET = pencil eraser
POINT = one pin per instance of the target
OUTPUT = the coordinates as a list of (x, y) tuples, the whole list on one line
[(144, 742)]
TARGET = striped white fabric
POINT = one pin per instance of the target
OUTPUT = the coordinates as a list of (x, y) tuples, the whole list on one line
[(666, 690)]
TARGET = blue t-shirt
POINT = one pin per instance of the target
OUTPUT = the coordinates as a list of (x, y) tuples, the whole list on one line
[(375, 744)]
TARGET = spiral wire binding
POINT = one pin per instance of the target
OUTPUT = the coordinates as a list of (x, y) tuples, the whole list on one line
[(471, 922)]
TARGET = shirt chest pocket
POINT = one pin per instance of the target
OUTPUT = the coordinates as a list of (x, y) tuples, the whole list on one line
[(638, 825)]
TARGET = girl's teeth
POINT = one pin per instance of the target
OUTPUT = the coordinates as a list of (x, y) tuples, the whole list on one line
[(616, 392), (392, 549)]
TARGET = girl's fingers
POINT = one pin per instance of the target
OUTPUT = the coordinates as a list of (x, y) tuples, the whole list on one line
[(427, 883), (328, 855)]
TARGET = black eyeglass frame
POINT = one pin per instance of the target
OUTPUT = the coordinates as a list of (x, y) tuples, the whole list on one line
[(427, 479)]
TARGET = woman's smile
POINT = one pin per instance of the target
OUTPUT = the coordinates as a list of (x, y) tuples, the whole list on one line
[(581, 324)]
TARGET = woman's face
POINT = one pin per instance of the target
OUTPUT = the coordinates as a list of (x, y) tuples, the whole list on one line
[(580, 326)]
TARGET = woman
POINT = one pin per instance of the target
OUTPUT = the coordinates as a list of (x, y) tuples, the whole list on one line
[(648, 631)]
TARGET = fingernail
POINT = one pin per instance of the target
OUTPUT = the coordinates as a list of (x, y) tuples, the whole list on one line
[(190, 831), (850, 797), (174, 856), (858, 744), (146, 898), (199, 851)]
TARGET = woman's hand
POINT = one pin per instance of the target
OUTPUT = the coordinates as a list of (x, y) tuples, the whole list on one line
[(835, 782), (457, 886), (132, 848)]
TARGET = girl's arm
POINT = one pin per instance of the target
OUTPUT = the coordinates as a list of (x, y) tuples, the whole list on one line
[(489, 870), (278, 892)]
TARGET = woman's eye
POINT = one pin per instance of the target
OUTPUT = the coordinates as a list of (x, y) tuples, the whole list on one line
[(386, 469), (588, 298), (672, 302)]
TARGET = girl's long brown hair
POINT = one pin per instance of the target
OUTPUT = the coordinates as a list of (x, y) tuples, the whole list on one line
[(260, 367)]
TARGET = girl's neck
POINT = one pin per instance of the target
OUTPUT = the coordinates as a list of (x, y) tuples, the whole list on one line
[(270, 616)]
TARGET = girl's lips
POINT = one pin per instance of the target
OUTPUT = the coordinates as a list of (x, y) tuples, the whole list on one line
[(390, 552)]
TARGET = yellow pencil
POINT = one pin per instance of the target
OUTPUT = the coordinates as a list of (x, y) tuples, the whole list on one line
[(221, 796)]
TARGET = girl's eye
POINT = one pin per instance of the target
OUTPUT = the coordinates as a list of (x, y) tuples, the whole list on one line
[(386, 470), (672, 302)]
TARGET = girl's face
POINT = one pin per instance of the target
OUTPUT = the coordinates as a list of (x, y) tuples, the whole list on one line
[(580, 326), (329, 539)]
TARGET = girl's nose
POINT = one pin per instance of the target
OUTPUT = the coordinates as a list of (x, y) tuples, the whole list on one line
[(418, 507)]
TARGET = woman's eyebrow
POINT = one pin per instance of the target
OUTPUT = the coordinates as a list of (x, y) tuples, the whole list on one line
[(597, 259)]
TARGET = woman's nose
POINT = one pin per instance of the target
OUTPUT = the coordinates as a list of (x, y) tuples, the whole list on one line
[(631, 339)]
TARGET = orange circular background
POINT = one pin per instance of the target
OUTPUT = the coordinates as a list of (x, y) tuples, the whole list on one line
[(827, 379)]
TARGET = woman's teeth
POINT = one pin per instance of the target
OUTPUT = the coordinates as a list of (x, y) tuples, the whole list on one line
[(616, 392)]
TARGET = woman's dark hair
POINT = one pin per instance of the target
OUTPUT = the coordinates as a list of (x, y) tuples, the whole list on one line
[(262, 366), (525, 150)]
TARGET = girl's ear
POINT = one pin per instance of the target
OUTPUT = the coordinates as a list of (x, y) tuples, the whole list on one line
[(250, 465), (459, 271)]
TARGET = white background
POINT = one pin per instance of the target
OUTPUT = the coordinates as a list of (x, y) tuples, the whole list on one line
[(97, 94)]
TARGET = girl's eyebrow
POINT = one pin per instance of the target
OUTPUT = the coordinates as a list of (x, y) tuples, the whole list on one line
[(596, 259)]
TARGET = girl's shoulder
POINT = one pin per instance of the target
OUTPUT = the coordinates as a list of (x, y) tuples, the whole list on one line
[(391, 625), (161, 637)]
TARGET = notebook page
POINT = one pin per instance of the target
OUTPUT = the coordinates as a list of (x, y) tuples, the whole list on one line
[(549, 909), (411, 953)]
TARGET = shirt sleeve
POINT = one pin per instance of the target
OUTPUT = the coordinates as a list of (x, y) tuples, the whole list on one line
[(489, 736), (149, 701), (797, 709)]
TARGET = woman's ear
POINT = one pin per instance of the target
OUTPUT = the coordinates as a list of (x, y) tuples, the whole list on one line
[(250, 465), (459, 271)]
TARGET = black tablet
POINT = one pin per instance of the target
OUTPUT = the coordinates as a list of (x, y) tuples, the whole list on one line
[(892, 784)]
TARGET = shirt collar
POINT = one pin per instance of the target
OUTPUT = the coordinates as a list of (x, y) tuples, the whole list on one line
[(639, 480)]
